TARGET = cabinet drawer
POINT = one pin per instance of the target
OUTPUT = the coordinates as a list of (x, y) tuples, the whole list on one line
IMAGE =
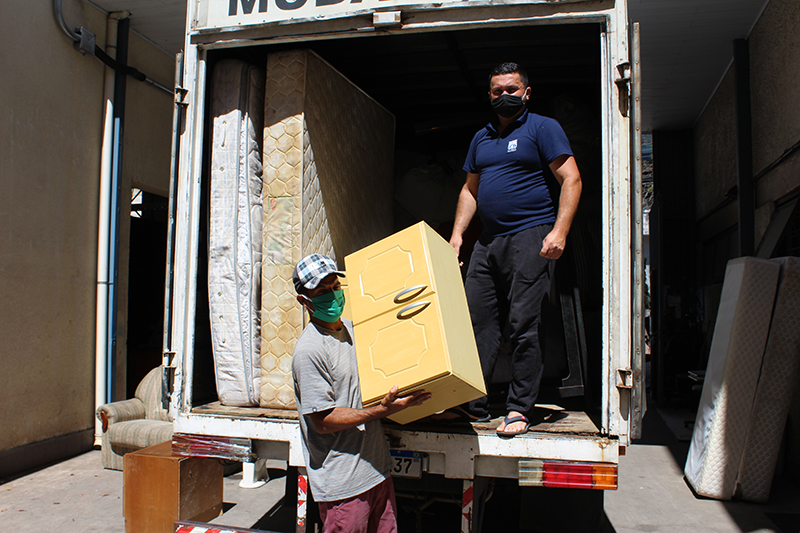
[(388, 274)]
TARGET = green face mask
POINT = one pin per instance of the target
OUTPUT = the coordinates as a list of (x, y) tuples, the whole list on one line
[(328, 307)]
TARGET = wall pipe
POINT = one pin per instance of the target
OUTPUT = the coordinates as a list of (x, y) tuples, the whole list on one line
[(62, 23), (120, 85), (104, 219)]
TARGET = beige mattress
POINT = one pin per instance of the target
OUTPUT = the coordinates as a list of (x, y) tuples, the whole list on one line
[(774, 392), (734, 364), (328, 159)]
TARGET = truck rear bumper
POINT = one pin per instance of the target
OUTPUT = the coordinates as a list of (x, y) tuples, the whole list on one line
[(461, 453)]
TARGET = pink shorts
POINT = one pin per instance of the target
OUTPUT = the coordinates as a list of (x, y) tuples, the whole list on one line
[(372, 511)]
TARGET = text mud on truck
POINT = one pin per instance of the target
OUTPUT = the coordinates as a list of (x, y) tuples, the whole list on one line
[(367, 110)]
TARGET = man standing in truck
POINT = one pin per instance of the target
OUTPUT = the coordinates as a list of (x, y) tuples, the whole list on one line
[(512, 262), (343, 443)]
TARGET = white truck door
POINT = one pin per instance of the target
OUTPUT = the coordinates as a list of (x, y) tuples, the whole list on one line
[(178, 118), (638, 403)]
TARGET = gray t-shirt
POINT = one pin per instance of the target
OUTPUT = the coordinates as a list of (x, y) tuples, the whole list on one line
[(345, 463)]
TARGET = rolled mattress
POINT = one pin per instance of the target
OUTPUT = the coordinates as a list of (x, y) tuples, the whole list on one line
[(235, 228), (328, 167), (737, 349)]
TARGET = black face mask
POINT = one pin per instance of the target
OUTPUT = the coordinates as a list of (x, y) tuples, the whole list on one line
[(507, 105)]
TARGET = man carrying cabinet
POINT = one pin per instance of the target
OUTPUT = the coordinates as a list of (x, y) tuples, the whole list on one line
[(344, 446), (512, 262)]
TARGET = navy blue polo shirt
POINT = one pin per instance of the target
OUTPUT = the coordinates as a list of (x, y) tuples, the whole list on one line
[(512, 193)]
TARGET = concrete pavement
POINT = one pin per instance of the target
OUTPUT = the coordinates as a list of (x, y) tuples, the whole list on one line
[(79, 495), (654, 497)]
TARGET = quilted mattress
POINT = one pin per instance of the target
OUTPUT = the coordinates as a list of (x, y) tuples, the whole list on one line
[(775, 386), (235, 224), (328, 160), (734, 364)]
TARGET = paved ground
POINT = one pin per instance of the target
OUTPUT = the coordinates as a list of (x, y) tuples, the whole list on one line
[(653, 495), (79, 495)]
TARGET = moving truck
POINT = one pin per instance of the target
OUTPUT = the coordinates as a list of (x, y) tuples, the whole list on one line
[(385, 101)]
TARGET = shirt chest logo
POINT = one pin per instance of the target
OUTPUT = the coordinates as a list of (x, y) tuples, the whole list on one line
[(512, 146)]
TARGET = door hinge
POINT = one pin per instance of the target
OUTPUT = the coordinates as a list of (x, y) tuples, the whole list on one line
[(387, 18), (624, 378), (180, 96), (623, 82), (168, 379)]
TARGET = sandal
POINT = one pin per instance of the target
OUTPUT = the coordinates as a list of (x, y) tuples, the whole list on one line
[(510, 420)]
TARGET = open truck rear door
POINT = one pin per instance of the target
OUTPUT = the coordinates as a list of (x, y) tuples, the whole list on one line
[(638, 392)]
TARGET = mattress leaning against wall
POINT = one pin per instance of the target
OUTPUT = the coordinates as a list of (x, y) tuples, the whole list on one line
[(328, 170), (734, 362), (235, 228), (775, 387)]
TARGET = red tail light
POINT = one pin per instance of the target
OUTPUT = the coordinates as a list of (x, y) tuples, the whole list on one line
[(555, 474)]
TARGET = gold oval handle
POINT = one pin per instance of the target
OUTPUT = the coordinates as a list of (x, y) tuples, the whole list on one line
[(416, 290), (412, 310)]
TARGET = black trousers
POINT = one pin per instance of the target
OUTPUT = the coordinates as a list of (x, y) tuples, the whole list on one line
[(507, 281)]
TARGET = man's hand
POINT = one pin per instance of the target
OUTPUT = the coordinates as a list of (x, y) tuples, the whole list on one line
[(394, 404), (553, 245), (566, 172), (455, 242)]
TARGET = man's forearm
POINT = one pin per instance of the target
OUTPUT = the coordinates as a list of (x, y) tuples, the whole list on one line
[(341, 418), (566, 172), (465, 210), (568, 204)]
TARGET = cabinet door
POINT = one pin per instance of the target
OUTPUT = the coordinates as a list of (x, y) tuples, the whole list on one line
[(403, 347), (388, 275), (346, 312)]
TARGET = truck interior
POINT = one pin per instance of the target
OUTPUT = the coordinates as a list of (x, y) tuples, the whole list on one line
[(436, 85)]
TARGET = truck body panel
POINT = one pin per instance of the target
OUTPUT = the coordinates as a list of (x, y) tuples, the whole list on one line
[(454, 452)]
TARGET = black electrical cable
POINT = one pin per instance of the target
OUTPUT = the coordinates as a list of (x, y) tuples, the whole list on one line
[(84, 39), (100, 54)]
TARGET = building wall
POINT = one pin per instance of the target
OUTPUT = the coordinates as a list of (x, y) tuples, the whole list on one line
[(775, 101), (775, 82), (775, 79), (50, 141), (715, 148)]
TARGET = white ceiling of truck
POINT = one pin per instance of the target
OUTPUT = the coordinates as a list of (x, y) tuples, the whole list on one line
[(687, 46)]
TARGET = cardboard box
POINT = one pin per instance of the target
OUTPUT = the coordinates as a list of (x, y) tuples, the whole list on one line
[(159, 489), (411, 322)]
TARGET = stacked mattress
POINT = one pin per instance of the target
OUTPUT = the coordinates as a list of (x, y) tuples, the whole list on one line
[(328, 160), (235, 218), (752, 366), (778, 377), (327, 187)]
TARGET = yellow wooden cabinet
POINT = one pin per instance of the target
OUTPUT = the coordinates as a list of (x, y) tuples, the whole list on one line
[(411, 322), (346, 312)]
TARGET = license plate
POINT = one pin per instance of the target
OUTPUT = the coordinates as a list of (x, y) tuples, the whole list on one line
[(406, 463)]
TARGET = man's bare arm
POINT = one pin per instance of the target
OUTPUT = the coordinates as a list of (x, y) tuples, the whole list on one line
[(341, 418), (465, 210), (566, 172)]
